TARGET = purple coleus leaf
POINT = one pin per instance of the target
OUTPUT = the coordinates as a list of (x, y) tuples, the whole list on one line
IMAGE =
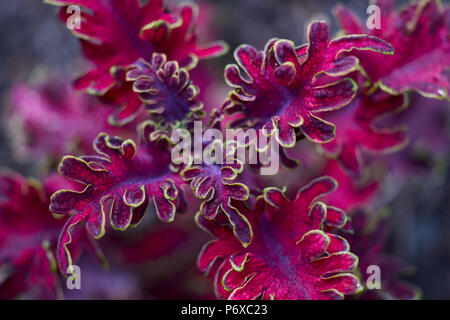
[(214, 184), (116, 33), (358, 131), (293, 254), (28, 236), (27, 230), (419, 34), (351, 194), (166, 90), (280, 88), (119, 182)]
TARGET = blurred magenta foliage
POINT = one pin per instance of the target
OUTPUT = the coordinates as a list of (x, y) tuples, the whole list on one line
[(361, 116)]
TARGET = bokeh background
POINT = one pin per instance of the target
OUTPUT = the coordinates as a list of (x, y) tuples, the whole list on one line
[(33, 43)]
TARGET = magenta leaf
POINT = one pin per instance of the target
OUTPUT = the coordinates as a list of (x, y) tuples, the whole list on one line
[(116, 33), (119, 182), (213, 184), (358, 130), (166, 90), (419, 34), (351, 194), (293, 255), (28, 236), (279, 89), (26, 231)]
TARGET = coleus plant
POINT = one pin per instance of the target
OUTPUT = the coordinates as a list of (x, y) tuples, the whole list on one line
[(28, 237), (360, 132), (293, 255), (114, 34), (419, 34), (166, 90), (268, 244), (27, 233), (36, 117), (280, 90), (213, 182), (119, 183)]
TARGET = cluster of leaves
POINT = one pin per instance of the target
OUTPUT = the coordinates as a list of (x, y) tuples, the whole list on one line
[(326, 92)]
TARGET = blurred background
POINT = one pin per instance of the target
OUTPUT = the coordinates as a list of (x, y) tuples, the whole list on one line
[(34, 43)]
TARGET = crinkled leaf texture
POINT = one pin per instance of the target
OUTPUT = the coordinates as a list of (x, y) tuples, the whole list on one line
[(368, 242), (420, 36), (166, 90), (293, 255), (119, 182), (213, 183), (116, 33), (280, 90), (358, 131)]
